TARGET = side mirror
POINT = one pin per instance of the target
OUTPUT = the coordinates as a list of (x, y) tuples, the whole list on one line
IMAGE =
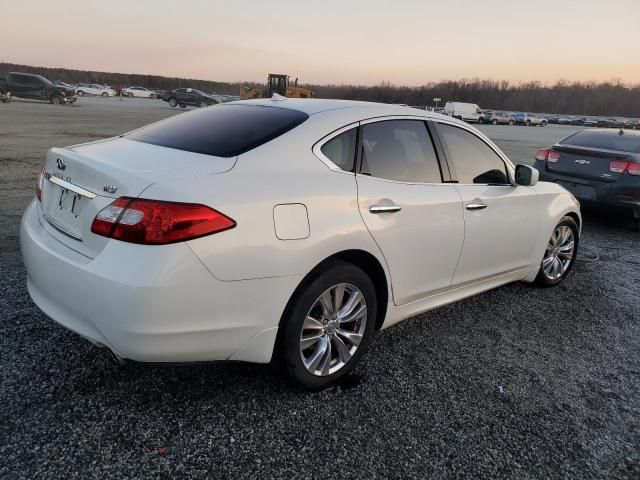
[(526, 175)]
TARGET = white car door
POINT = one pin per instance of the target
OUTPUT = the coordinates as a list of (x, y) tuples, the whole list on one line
[(501, 220), (413, 216)]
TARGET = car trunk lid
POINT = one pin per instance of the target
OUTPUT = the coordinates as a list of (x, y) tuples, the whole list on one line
[(80, 181), (588, 163)]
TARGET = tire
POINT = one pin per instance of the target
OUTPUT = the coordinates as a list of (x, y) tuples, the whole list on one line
[(557, 249), (80, 93), (512, 123), (173, 102), (105, 94), (481, 120), (203, 104), (182, 105), (333, 347), (528, 123), (494, 122), (56, 100), (543, 124), (130, 95)]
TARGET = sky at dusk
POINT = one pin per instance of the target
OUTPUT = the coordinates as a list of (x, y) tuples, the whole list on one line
[(405, 42)]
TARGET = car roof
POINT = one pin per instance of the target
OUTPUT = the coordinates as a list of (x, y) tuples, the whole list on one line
[(612, 131), (313, 106)]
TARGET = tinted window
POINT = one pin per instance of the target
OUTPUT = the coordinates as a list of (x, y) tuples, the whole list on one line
[(399, 150), (341, 149), (222, 130), (473, 160), (605, 140)]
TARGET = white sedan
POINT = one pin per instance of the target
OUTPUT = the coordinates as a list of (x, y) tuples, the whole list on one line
[(94, 89), (138, 92), (283, 229)]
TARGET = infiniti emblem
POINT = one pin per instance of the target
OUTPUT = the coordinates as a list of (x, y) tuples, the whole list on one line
[(61, 165)]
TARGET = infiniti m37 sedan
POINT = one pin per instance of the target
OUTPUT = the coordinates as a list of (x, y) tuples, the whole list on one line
[(283, 229)]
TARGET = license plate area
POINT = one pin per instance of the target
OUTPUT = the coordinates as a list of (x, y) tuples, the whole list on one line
[(64, 210)]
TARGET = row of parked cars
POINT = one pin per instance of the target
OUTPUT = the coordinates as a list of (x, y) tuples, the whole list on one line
[(470, 112)]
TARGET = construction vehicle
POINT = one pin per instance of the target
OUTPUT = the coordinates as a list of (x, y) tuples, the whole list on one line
[(276, 84)]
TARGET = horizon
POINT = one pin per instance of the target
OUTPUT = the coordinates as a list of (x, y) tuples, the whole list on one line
[(408, 46)]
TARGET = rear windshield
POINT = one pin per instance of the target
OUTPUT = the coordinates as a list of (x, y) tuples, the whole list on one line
[(605, 140), (221, 130)]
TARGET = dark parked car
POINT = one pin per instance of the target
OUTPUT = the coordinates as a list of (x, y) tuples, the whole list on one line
[(188, 96), (498, 118), (577, 121), (597, 166), (599, 122), (36, 87)]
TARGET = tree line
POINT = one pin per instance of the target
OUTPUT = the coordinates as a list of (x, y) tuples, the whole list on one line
[(610, 98)]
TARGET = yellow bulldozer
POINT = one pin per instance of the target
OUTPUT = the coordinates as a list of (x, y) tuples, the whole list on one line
[(276, 83)]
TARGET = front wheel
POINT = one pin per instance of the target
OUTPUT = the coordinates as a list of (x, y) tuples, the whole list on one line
[(182, 105), (494, 122), (560, 253), (204, 104), (544, 124), (173, 102), (56, 100), (129, 94), (80, 93), (328, 325), (105, 94), (511, 122)]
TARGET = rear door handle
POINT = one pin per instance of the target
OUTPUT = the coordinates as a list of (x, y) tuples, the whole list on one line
[(384, 208), (476, 206)]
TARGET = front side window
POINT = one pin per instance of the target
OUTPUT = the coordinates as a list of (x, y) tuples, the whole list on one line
[(341, 149), (399, 150), (473, 160)]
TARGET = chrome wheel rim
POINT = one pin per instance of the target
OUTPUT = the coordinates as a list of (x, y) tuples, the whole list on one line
[(333, 329), (559, 253)]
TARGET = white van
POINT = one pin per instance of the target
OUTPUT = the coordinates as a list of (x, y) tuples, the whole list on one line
[(469, 112)]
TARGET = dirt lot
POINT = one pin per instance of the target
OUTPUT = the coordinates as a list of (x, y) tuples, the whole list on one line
[(514, 383)]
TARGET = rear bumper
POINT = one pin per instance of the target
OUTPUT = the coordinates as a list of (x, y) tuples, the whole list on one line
[(623, 193), (152, 304)]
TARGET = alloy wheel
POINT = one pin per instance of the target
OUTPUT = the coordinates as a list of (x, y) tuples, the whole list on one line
[(559, 253), (333, 329)]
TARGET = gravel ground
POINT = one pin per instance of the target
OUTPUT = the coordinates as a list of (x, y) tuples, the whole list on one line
[(515, 383)]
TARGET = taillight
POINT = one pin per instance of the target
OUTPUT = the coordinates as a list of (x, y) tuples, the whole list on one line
[(154, 222), (40, 184), (618, 166), (542, 154), (547, 155), (634, 168)]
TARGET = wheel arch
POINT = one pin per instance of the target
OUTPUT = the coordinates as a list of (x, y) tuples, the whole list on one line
[(362, 259)]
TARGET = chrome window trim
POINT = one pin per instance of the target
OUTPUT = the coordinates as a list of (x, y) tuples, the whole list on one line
[(317, 147)]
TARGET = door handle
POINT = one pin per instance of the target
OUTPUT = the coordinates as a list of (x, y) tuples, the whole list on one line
[(476, 206), (384, 208)]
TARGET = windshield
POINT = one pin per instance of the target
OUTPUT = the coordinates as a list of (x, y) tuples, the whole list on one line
[(605, 140)]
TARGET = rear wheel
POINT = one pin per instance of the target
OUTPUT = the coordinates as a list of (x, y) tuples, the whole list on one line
[(57, 100), (560, 253), (544, 123), (203, 104), (528, 123), (81, 93), (328, 325), (511, 122), (182, 105), (173, 102), (105, 94), (130, 94), (494, 122)]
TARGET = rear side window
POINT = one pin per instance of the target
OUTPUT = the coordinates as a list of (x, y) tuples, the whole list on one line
[(341, 149), (605, 140), (222, 130), (399, 150), (473, 160)]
